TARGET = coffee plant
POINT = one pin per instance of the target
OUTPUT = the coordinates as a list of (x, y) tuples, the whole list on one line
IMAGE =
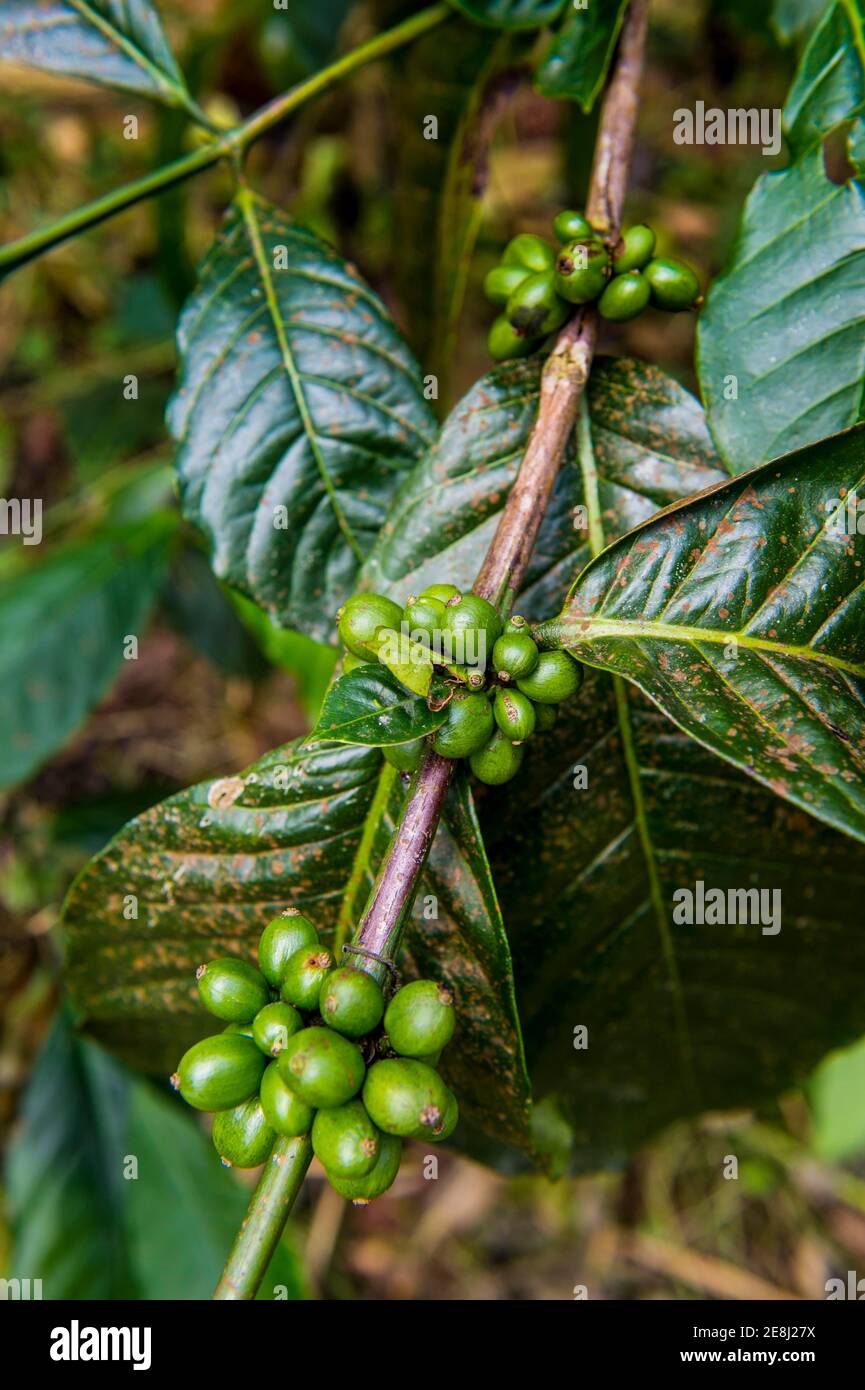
[(601, 644)]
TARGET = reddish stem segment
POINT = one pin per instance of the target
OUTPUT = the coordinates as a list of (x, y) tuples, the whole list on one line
[(563, 381)]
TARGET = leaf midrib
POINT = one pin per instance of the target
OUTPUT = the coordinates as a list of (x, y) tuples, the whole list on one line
[(157, 75)]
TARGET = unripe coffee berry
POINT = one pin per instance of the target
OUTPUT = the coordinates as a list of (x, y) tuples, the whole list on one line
[(443, 592), (424, 615), (515, 714), (504, 342), (555, 678), (545, 717), (242, 1137), (280, 939), (405, 757), (477, 623), (638, 245), (502, 280), (534, 309), (273, 1026), (362, 617), (469, 725), (362, 1191), (582, 270), (529, 251), (304, 975), (498, 761), (351, 1002), (674, 284), (322, 1067), (286, 1113), (625, 297), (405, 1097), (232, 989), (420, 1019), (219, 1073), (449, 1121), (515, 655), (572, 226), (345, 1140)]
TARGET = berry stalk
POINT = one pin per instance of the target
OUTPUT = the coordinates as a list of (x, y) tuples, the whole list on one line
[(258, 1237)]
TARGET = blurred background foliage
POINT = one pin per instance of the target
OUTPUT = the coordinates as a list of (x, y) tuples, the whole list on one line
[(215, 684)]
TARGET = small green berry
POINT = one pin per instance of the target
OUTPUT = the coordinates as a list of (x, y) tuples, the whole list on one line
[(449, 1121), (232, 989), (273, 1026), (280, 939), (498, 761), (502, 280), (405, 1097), (322, 1067), (345, 1140), (555, 678), (405, 757), (504, 342), (674, 284), (420, 1019), (474, 625), (534, 309), (515, 714), (625, 297), (530, 251), (517, 624), (424, 615), (362, 1191), (443, 592), (515, 655), (582, 270), (362, 617), (242, 1137), (286, 1113), (469, 725), (219, 1073), (545, 717), (638, 245), (304, 975), (572, 226), (351, 1002)]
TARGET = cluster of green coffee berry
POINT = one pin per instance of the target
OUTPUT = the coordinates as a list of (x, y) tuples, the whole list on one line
[(493, 707), (308, 1047), (538, 287)]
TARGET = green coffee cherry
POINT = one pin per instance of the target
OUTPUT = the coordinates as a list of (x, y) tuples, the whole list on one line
[(232, 989), (243, 1137), (304, 975), (322, 1067), (280, 939), (638, 245), (345, 1140), (514, 655), (515, 714), (286, 1113), (443, 592), (470, 723), (424, 614), (449, 1121), (555, 678), (572, 226), (545, 717), (351, 1002), (405, 757), (405, 1097), (420, 1019), (534, 309), (498, 761), (502, 280), (625, 297), (273, 1026), (362, 1191), (582, 270), (361, 618), (674, 284), (219, 1073), (504, 342), (477, 622), (530, 251), (518, 624)]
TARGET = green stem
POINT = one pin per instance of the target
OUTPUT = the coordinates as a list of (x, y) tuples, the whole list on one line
[(231, 145), (268, 1212)]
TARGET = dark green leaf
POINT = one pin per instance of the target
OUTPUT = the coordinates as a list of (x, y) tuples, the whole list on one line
[(781, 348), (652, 445), (62, 632), (297, 41), (298, 410), (576, 64), (206, 870), (371, 706), (65, 1184), (510, 14), (740, 613), (119, 43), (793, 18), (440, 183), (829, 86)]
